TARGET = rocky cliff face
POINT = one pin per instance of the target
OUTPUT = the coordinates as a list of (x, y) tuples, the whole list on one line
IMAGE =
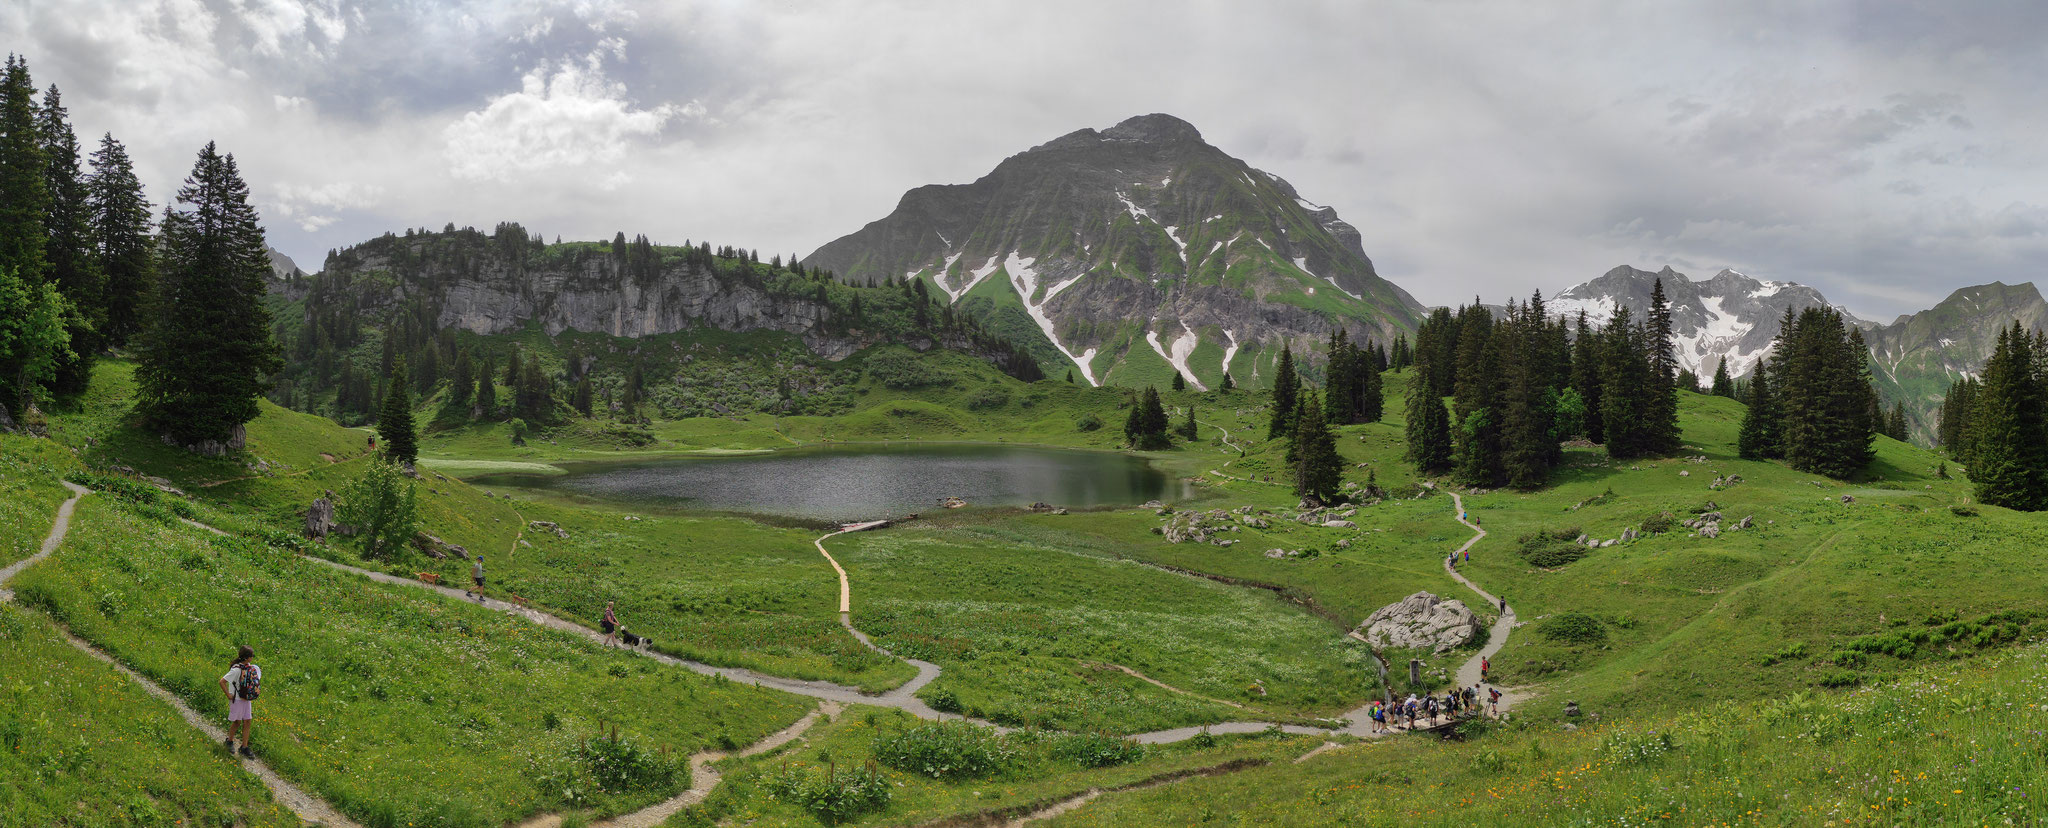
[(1916, 357), (492, 284), (1134, 253)]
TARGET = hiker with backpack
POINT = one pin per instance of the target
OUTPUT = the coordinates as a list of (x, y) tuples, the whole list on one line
[(611, 625), (1493, 699), (242, 684)]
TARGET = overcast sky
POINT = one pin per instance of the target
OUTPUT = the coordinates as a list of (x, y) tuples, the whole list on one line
[(1886, 153)]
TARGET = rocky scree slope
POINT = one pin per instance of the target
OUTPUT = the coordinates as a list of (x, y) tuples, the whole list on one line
[(1730, 317), (1133, 253), (1916, 357)]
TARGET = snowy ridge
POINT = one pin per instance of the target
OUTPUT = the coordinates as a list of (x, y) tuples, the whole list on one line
[(1025, 281), (1598, 311), (1302, 263)]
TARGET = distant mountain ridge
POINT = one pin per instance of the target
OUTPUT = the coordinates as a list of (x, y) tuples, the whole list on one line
[(1733, 317), (1134, 253)]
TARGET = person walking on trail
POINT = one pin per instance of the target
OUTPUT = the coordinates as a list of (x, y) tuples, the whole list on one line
[(1503, 605), (1493, 700), (242, 684), (476, 576), (611, 625), (1468, 556), (1485, 667)]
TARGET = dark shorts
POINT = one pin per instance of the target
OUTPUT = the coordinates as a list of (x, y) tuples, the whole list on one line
[(608, 627), (479, 582)]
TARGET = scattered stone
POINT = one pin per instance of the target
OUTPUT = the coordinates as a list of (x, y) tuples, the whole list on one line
[(1422, 620), (1582, 539), (1710, 531), (1153, 504), (1571, 708), (1347, 513), (1343, 544), (1628, 534), (320, 518), (1339, 524), (1255, 523), (1607, 543), (1244, 510), (1223, 542), (1276, 553), (1848, 499), (952, 502), (1684, 473), (1746, 522), (547, 526)]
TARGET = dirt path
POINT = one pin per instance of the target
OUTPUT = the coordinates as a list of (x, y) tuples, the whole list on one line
[(1470, 673), (308, 807)]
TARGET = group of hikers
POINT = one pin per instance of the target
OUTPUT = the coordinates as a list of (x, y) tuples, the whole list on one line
[(1430, 710)]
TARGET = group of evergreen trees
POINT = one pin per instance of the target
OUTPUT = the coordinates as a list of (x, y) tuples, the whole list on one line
[(1812, 402), (1351, 394), (1522, 384), (81, 273), (1997, 425)]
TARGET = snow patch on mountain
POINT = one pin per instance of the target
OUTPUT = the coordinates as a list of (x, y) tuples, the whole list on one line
[(1229, 353), (1598, 310), (1137, 213), (1177, 353), (1302, 263), (1024, 280), (1173, 232)]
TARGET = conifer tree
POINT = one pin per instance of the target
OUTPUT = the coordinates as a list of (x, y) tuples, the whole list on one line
[(24, 184), (394, 422), (486, 391), (463, 383), (1476, 421), (1227, 385), (2009, 415), (1660, 417), (208, 350), (1627, 389), (1318, 470), (580, 399), (1958, 414), (68, 235), (1723, 386), (1180, 383), (1760, 437), (1146, 425), (1339, 396), (1824, 395), (120, 220), (1372, 400), (1188, 430), (1286, 388), (1588, 360), (1895, 423), (1070, 376), (1429, 427)]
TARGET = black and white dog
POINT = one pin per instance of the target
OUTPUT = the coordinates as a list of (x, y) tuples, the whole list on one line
[(632, 640)]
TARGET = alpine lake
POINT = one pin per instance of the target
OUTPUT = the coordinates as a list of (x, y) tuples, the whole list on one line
[(848, 482)]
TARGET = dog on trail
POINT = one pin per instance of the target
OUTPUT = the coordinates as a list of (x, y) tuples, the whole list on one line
[(632, 640)]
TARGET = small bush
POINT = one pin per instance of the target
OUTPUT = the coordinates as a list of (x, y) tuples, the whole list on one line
[(1963, 511), (1573, 628), (900, 369), (1659, 523), (987, 397), (1094, 750), (1551, 548), (1790, 652), (622, 765), (1638, 748), (1087, 422), (942, 700), (833, 795), (947, 750), (1841, 678)]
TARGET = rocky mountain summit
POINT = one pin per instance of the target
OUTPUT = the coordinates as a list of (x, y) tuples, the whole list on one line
[(1916, 357), (1133, 253)]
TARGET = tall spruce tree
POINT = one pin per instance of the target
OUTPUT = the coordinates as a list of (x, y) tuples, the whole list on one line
[(1627, 388), (1895, 423), (1339, 395), (1318, 469), (394, 422), (1588, 360), (1824, 394), (1188, 429), (1146, 425), (1286, 390), (24, 176), (69, 251), (1760, 437), (1660, 417), (121, 239), (1180, 383), (1429, 428), (1372, 395), (208, 350), (486, 391), (2009, 415), (1476, 401), (1958, 414), (1228, 383), (1723, 386)]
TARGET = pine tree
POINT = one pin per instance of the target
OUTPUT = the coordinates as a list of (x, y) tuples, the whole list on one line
[(1146, 425), (1895, 423), (580, 399), (1372, 398), (1070, 376), (1286, 388), (512, 369), (1587, 362), (68, 236), (121, 239), (1180, 383), (1660, 417), (1339, 396), (1760, 437), (463, 384), (1318, 470), (1227, 385), (1429, 427), (1958, 413), (24, 177), (1188, 429), (1723, 386), (1824, 394), (1627, 389), (1476, 418), (486, 391), (2009, 415), (208, 350), (394, 422)]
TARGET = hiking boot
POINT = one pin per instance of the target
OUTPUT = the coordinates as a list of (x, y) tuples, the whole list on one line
[(247, 753), (228, 743)]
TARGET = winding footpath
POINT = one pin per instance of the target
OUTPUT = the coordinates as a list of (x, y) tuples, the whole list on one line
[(705, 778), (305, 805)]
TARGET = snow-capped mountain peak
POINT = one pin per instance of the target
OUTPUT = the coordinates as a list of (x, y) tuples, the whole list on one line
[(1730, 316)]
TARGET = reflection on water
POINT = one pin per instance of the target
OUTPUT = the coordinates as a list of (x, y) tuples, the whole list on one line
[(851, 482)]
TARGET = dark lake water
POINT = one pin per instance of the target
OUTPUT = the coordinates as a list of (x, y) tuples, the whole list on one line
[(855, 482)]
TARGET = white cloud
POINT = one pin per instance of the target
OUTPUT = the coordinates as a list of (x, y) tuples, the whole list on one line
[(563, 116), (312, 207)]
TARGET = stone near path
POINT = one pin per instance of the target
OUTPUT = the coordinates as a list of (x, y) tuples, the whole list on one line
[(1422, 620), (320, 518)]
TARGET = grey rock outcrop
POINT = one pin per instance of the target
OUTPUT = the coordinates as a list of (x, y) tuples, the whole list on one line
[(320, 518), (1422, 621)]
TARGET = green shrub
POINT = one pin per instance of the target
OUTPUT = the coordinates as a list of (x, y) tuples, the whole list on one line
[(1963, 511), (987, 397), (902, 370), (947, 750), (1087, 422), (1659, 523), (1841, 678), (622, 765), (942, 700), (833, 795), (1637, 748), (1551, 548), (1790, 652), (1572, 627), (1094, 750)]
